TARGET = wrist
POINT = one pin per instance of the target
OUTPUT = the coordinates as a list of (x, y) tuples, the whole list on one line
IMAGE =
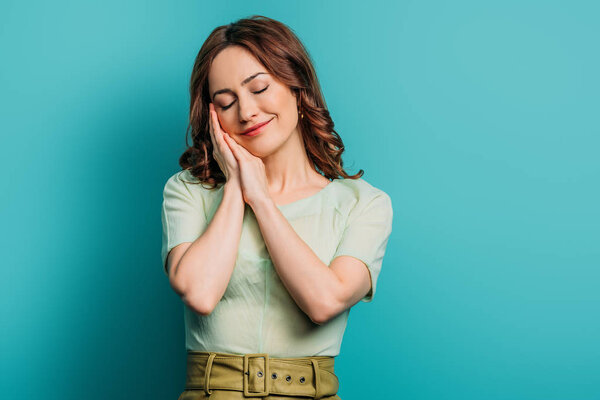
[(232, 188), (262, 204)]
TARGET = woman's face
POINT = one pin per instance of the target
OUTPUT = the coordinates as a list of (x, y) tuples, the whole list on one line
[(243, 99)]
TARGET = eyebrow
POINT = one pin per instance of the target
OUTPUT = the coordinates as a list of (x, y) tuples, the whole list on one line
[(248, 79)]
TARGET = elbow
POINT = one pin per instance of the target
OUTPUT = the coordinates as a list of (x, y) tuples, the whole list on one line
[(324, 312), (318, 320), (199, 301), (200, 304), (320, 317), (329, 305)]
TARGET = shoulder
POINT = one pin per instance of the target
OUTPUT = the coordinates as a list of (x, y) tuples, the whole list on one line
[(183, 183), (353, 195), (359, 191)]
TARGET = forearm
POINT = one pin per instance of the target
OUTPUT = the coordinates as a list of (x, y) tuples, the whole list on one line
[(204, 270), (312, 284)]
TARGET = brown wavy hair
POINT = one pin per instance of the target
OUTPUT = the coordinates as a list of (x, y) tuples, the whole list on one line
[(277, 47)]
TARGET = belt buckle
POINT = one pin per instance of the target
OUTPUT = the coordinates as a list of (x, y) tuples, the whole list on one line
[(267, 381)]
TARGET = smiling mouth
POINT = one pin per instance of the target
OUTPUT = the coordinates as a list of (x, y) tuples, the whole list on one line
[(257, 129)]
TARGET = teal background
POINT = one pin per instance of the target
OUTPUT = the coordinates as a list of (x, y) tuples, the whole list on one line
[(480, 119)]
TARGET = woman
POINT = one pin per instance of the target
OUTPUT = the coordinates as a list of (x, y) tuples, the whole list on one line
[(267, 246)]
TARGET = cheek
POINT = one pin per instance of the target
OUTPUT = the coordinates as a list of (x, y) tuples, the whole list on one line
[(286, 111), (280, 101), (227, 123)]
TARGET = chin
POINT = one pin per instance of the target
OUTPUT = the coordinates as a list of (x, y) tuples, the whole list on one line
[(263, 150)]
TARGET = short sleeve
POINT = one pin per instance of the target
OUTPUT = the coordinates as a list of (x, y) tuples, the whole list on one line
[(183, 217), (366, 235)]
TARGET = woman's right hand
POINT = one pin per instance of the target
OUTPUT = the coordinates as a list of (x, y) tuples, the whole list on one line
[(221, 151)]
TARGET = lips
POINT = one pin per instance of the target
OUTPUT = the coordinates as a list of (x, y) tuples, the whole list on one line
[(255, 127)]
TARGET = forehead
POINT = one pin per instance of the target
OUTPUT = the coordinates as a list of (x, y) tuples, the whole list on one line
[(231, 66)]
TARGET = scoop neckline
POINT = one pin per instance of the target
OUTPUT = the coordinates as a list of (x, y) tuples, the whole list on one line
[(304, 199)]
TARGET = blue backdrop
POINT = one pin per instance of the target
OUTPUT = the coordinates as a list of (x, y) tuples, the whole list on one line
[(480, 119)]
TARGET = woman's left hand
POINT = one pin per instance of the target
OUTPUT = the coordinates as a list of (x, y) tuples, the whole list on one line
[(253, 177)]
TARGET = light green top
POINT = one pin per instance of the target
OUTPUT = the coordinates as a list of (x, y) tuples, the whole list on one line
[(257, 314)]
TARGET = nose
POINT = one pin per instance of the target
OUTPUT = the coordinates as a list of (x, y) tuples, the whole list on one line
[(247, 109)]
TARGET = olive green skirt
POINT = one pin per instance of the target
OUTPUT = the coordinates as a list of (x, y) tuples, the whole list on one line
[(223, 376)]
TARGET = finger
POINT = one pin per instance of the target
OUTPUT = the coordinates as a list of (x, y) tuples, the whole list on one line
[(219, 137), (217, 131), (242, 151), (211, 125), (219, 154), (232, 145)]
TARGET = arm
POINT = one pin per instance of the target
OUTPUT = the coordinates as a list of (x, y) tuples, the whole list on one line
[(321, 291), (200, 271)]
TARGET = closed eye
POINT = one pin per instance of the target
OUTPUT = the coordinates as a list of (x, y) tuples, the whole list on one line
[(260, 91)]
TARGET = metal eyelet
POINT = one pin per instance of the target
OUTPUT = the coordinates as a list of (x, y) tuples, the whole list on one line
[(259, 373), (288, 378), (302, 379), (274, 375)]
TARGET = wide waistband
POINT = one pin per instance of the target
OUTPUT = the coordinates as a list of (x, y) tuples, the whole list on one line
[(258, 374)]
